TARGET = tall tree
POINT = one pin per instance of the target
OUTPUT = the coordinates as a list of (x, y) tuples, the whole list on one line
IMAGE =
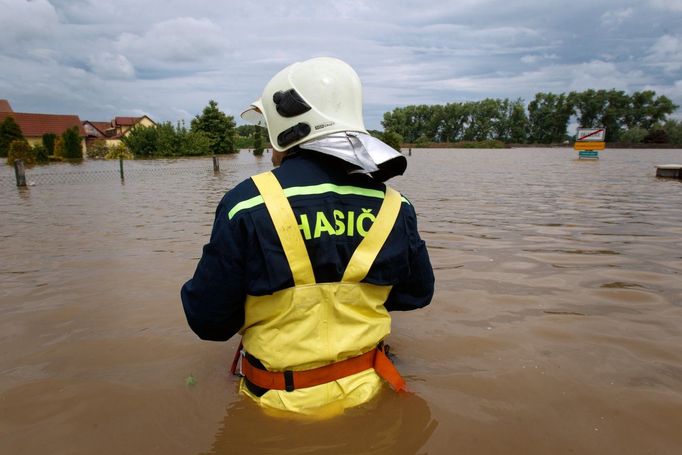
[(590, 106), (548, 116), (257, 141), (219, 127), (646, 110), (9, 132), (519, 122)]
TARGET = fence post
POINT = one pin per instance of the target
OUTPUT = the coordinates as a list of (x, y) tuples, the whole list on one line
[(20, 172), (120, 166), (216, 164)]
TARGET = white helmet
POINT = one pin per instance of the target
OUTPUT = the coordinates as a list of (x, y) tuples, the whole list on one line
[(307, 100)]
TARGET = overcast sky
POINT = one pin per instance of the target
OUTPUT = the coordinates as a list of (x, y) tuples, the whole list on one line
[(167, 58)]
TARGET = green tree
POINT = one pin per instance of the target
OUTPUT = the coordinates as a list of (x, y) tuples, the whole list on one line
[(673, 129), (656, 136), (48, 142), (410, 122), (40, 153), (613, 118), (393, 139), (590, 107), (9, 132), (548, 116), (645, 110), (519, 122), (141, 140), (257, 142), (196, 143), (19, 149), (633, 135), (454, 118), (246, 130), (219, 127), (169, 139), (72, 143)]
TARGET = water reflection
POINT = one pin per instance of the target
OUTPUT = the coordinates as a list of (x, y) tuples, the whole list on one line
[(391, 424)]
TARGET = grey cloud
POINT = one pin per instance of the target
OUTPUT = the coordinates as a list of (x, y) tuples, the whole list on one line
[(24, 22), (168, 58)]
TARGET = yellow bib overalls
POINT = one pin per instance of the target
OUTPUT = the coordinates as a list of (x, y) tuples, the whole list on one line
[(315, 324)]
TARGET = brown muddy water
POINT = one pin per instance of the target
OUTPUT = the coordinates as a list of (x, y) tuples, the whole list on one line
[(556, 327)]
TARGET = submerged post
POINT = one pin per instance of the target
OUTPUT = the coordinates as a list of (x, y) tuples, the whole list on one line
[(20, 173), (216, 164), (120, 166)]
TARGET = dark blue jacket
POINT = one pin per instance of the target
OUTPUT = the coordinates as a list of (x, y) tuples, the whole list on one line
[(244, 255)]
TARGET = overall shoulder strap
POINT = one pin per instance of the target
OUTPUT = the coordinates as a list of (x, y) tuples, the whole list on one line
[(365, 254), (286, 226)]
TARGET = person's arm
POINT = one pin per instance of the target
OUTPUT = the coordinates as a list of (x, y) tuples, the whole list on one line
[(213, 299), (416, 290)]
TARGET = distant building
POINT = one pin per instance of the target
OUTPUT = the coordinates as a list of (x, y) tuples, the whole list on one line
[(112, 132), (33, 126)]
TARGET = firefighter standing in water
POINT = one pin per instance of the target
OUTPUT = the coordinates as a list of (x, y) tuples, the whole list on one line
[(307, 261)]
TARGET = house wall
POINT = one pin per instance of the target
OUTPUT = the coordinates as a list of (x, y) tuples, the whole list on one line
[(146, 122), (91, 131)]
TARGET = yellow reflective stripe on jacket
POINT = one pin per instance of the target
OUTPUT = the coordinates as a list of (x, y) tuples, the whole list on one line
[(310, 190), (365, 254), (286, 226)]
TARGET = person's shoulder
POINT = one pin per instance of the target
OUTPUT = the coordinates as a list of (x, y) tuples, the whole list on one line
[(242, 196)]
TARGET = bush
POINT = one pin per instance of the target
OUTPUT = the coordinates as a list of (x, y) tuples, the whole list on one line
[(393, 139), (49, 142), (97, 149), (59, 147), (72, 144), (118, 151), (9, 132), (633, 136), (656, 136), (422, 141), (195, 143), (20, 150), (40, 152), (142, 140), (673, 129)]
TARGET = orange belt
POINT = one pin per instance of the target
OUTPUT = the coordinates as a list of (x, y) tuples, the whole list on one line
[(291, 380)]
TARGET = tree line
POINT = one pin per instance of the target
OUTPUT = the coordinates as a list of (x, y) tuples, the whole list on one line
[(544, 121), (630, 118)]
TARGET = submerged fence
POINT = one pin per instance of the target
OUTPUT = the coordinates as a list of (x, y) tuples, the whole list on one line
[(122, 171)]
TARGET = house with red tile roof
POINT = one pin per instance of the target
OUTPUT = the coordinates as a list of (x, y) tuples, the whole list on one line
[(33, 126), (112, 132)]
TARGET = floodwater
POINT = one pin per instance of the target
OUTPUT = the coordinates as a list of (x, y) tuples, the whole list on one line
[(556, 326)]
